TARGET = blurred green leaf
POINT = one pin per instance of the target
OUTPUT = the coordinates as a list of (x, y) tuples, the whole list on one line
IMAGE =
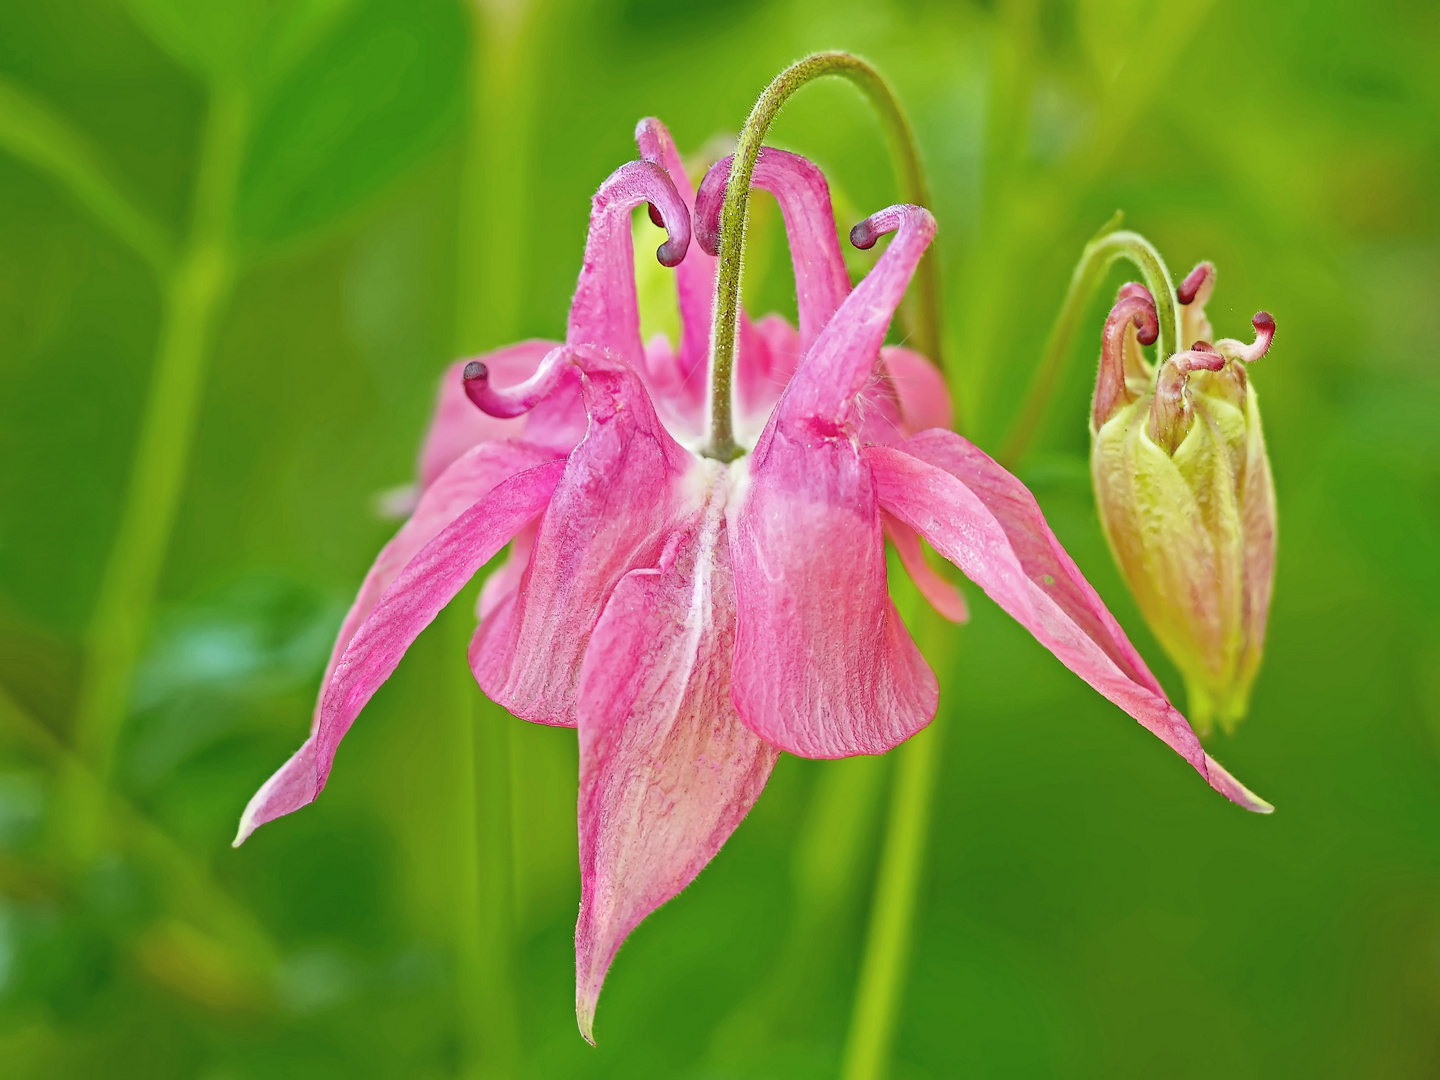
[(377, 94), (35, 133), (254, 42)]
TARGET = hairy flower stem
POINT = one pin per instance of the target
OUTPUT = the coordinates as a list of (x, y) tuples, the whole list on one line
[(1109, 246), (734, 214), (892, 917), (195, 294)]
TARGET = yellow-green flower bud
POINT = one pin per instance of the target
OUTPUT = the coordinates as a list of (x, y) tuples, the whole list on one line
[(1184, 491)]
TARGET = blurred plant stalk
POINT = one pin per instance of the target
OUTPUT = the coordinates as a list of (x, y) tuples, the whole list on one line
[(195, 292), (210, 948), (484, 908), (889, 940), (492, 249)]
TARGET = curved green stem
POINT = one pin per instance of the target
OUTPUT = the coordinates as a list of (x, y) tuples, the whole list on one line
[(735, 209), (1109, 246)]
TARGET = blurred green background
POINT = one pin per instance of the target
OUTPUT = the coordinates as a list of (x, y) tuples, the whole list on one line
[(304, 209)]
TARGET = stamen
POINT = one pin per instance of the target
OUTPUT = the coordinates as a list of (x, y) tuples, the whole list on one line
[(517, 400), (1198, 285), (1135, 307), (1264, 324), (655, 218), (1170, 412)]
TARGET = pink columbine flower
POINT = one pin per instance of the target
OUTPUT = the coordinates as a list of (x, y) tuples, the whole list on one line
[(692, 618)]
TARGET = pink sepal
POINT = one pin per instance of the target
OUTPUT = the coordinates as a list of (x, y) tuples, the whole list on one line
[(427, 584), (985, 521), (608, 516), (457, 425)]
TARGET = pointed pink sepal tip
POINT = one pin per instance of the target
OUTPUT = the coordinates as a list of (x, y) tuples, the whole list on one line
[(1221, 780), (585, 1001)]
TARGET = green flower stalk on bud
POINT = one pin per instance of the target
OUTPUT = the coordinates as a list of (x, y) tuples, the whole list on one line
[(1183, 484)]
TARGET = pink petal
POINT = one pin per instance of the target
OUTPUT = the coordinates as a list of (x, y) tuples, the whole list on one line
[(842, 361), (1011, 505), (505, 578), (604, 311), (781, 354), (458, 488), (457, 425), (823, 665), (986, 522), (609, 515), (695, 277), (667, 770), (924, 397), (426, 585), (821, 280), (943, 596)]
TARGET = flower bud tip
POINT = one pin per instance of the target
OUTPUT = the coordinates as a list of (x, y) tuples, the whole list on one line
[(1195, 282), (475, 370)]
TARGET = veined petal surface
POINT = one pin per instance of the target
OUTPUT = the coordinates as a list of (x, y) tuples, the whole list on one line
[(609, 515), (667, 769)]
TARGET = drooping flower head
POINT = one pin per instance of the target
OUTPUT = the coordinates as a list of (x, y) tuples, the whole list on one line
[(692, 615), (1184, 490)]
